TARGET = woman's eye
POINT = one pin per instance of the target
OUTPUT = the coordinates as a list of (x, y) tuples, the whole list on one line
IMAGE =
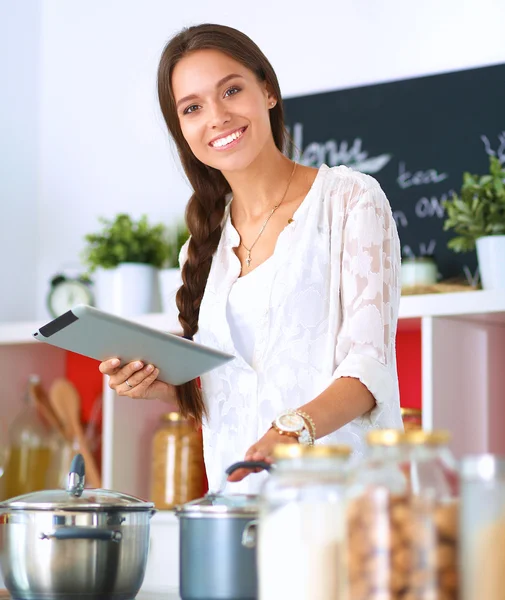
[(190, 109), (232, 91)]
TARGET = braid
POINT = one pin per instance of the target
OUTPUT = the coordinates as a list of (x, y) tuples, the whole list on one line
[(204, 215)]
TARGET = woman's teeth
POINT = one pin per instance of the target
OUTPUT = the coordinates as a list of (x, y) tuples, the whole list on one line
[(228, 139)]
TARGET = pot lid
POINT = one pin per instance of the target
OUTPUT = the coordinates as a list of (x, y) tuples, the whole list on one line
[(75, 497), (221, 504)]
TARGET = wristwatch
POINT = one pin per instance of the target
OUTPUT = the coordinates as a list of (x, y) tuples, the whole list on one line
[(293, 425)]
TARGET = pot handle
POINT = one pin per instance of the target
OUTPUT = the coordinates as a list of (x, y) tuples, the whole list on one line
[(83, 533), (250, 534), (248, 464)]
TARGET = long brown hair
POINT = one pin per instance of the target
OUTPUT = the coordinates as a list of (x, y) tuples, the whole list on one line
[(205, 209)]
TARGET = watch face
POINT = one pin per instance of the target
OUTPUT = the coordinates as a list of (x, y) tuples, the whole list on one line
[(66, 294), (290, 422)]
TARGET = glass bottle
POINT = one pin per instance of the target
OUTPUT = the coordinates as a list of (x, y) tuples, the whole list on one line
[(301, 524), (482, 561), (31, 448), (177, 470), (403, 519)]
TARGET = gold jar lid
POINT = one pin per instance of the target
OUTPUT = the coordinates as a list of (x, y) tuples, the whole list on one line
[(393, 437), (284, 451), (173, 417), (439, 437), (411, 412), (384, 437)]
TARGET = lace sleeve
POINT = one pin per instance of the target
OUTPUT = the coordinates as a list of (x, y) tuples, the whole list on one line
[(370, 296)]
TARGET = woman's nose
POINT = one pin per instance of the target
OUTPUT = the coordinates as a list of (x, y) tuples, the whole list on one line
[(218, 115)]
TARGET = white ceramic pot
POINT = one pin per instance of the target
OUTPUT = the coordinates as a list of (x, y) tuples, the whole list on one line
[(128, 290), (170, 282), (491, 257)]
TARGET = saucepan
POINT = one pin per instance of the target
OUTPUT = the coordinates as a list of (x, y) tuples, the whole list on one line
[(74, 543), (216, 560)]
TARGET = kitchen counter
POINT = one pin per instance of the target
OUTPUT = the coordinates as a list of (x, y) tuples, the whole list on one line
[(4, 595)]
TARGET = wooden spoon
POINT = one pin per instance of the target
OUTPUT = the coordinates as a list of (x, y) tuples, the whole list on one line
[(67, 405), (44, 407)]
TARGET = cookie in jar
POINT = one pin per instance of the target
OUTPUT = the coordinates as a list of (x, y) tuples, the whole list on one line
[(177, 469)]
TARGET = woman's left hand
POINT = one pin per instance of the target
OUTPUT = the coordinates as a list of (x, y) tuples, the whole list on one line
[(262, 450)]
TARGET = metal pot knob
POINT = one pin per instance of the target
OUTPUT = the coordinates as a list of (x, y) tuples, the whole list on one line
[(76, 476)]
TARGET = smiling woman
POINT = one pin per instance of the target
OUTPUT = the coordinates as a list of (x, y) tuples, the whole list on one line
[(292, 269)]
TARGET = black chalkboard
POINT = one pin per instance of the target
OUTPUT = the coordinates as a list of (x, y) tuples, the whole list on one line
[(416, 137)]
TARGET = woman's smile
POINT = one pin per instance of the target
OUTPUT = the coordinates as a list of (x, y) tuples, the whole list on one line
[(228, 140)]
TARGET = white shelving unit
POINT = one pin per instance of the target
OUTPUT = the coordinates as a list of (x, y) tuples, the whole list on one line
[(463, 388)]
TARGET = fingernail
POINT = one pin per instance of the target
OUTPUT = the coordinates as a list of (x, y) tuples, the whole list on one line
[(137, 365), (114, 362), (149, 368)]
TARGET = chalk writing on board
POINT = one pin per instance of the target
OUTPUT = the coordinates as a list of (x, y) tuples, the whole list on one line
[(400, 218), (407, 179), (425, 249), (500, 153), (335, 153), (432, 206)]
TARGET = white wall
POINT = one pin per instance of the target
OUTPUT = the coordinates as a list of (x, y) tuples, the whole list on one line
[(19, 70), (103, 147)]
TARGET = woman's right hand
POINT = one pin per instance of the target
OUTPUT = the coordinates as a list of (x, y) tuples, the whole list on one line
[(142, 381)]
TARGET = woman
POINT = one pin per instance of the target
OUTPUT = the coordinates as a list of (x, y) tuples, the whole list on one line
[(294, 270)]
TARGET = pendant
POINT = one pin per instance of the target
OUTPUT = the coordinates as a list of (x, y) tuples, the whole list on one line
[(248, 260)]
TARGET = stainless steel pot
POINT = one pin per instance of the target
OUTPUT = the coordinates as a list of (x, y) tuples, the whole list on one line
[(57, 544), (216, 562)]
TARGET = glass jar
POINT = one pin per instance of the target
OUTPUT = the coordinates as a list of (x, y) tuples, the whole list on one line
[(177, 472), (412, 418), (403, 519), (418, 271), (32, 446), (483, 527), (301, 524)]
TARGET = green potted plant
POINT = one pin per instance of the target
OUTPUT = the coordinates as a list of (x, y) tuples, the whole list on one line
[(170, 274), (123, 259), (477, 216)]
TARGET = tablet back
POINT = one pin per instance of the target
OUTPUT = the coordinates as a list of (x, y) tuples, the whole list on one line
[(100, 335)]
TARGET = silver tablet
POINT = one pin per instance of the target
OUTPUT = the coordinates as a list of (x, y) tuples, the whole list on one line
[(100, 335)]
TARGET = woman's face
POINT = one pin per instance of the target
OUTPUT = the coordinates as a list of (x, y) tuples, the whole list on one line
[(223, 109)]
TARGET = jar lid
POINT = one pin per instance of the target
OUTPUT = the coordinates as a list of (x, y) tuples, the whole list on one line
[(418, 259), (392, 437), (174, 417), (438, 437), (287, 451), (76, 498), (411, 412), (220, 505), (384, 437), (483, 467)]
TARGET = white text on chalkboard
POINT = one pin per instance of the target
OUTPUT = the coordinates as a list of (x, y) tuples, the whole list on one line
[(407, 179)]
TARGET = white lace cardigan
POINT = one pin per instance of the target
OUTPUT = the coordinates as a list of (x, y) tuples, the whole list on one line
[(332, 312)]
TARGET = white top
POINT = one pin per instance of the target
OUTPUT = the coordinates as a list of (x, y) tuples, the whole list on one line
[(248, 299), (332, 312)]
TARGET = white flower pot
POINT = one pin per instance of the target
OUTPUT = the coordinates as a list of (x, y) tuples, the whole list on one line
[(170, 282), (128, 290), (491, 257)]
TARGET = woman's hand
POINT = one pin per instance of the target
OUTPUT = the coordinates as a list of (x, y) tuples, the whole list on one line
[(142, 380), (262, 450)]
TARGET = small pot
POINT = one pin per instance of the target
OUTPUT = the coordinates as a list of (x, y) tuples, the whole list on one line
[(217, 562), (74, 544)]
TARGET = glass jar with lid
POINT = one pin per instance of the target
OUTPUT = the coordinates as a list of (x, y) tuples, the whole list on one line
[(177, 472), (301, 524), (483, 527), (403, 518)]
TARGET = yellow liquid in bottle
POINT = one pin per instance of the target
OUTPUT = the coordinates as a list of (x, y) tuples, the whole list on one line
[(26, 470)]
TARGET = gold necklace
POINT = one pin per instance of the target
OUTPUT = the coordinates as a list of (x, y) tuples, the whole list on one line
[(249, 250)]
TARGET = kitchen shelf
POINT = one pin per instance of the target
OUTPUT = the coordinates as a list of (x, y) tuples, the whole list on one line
[(488, 306)]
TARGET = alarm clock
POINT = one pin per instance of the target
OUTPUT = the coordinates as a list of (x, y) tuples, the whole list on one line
[(66, 292)]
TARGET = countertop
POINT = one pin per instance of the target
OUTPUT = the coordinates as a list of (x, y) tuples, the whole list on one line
[(4, 595)]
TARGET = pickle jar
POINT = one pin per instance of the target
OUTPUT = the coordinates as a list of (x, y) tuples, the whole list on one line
[(301, 524), (403, 519), (178, 472)]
